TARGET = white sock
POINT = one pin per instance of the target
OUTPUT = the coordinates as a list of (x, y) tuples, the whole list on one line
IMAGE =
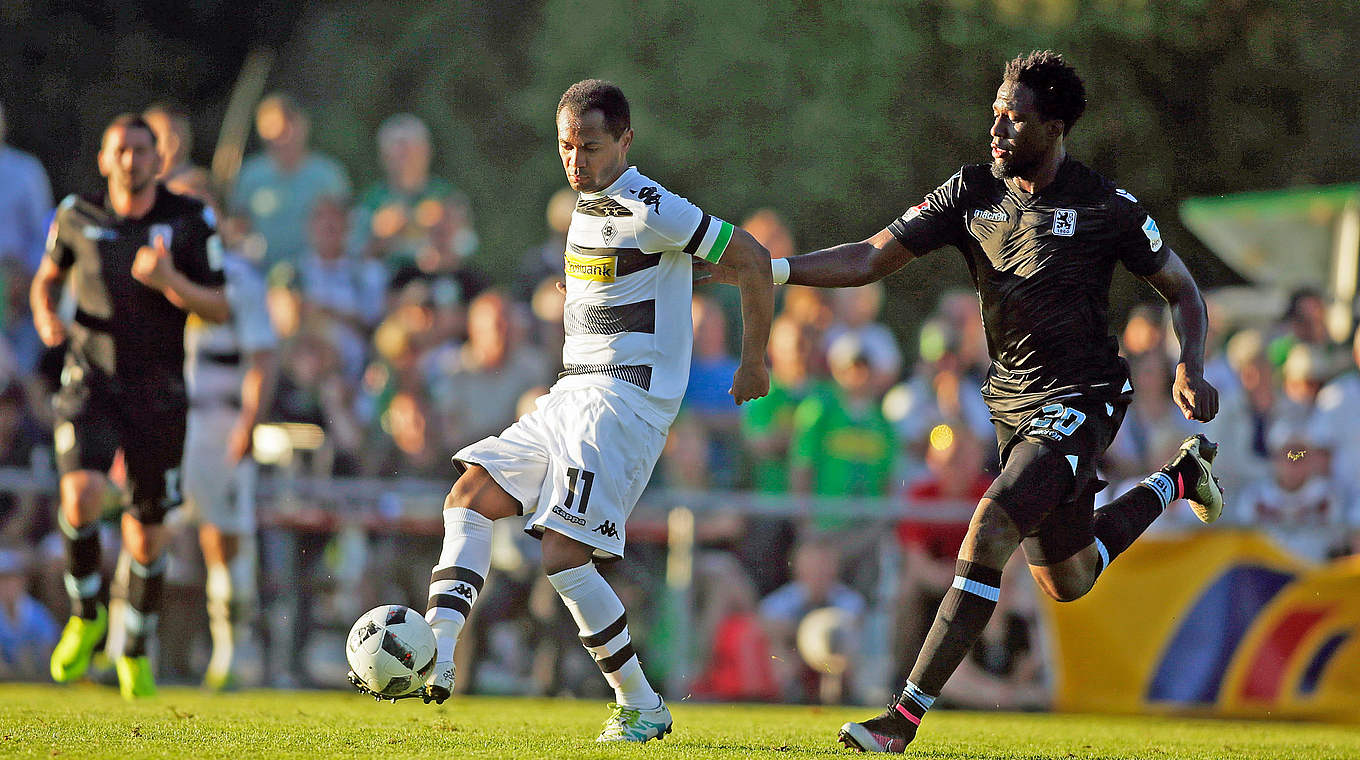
[(457, 579), (603, 627), (219, 593)]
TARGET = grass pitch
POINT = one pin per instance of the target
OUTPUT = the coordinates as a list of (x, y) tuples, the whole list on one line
[(90, 721)]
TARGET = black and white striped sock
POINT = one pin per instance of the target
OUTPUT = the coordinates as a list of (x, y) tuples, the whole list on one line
[(603, 628), (457, 579)]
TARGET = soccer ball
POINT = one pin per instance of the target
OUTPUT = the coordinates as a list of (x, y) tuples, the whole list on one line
[(391, 650)]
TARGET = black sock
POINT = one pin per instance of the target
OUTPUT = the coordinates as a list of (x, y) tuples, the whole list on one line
[(962, 615), (83, 579), (1118, 523), (146, 586)]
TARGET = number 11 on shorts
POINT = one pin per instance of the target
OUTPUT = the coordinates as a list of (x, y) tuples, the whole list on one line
[(585, 478)]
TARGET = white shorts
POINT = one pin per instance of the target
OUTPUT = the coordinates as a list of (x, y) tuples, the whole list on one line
[(215, 492), (577, 463)]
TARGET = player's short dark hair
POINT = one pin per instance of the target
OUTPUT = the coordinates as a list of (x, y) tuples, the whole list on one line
[(1058, 91), (590, 94), (128, 121)]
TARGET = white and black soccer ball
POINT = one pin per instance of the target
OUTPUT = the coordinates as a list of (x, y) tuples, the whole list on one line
[(391, 650)]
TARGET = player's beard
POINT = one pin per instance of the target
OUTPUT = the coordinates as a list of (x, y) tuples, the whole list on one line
[(1015, 167)]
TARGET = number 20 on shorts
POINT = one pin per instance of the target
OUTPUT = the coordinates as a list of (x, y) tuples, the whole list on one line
[(1063, 419)]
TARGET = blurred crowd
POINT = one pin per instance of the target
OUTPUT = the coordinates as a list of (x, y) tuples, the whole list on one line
[(396, 350)]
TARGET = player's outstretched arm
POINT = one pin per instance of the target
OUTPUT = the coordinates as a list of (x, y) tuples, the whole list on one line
[(750, 262), (1197, 399), (850, 264)]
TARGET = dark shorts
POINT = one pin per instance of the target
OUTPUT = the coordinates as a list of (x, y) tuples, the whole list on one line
[(94, 420), (1048, 481)]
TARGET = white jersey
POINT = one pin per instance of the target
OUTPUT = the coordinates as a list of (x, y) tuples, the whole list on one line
[(215, 353), (629, 289)]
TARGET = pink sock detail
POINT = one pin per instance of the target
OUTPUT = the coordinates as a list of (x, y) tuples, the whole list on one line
[(1180, 486), (914, 720)]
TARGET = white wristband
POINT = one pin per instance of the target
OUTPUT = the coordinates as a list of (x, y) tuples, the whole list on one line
[(780, 269)]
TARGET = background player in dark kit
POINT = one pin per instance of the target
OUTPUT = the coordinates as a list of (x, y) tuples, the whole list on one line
[(139, 258)]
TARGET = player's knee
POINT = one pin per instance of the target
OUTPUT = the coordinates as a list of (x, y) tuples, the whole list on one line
[(992, 536), (82, 496), (476, 490), (1062, 588), (563, 553)]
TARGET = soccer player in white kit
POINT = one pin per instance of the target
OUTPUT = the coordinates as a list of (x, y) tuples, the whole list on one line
[(577, 463), (229, 372)]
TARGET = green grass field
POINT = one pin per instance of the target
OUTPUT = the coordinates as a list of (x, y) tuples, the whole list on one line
[(90, 721)]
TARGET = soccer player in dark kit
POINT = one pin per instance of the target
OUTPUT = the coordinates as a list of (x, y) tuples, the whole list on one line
[(1041, 234), (139, 258)]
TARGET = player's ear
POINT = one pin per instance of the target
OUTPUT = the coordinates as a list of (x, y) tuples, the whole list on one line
[(626, 139), (105, 160)]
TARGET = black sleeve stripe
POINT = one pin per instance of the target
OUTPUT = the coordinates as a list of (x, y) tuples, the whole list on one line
[(693, 244), (451, 602), (617, 660), (463, 574), (610, 631)]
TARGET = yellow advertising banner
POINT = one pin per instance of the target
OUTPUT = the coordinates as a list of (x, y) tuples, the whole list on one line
[(1220, 623)]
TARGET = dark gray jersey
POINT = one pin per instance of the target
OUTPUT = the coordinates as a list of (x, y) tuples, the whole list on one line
[(1042, 265)]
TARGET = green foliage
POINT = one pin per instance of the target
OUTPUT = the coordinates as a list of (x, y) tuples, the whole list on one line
[(841, 116), (838, 115), (86, 721)]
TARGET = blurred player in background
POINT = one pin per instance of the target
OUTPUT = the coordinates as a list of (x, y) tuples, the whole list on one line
[(140, 259), (578, 462), (1042, 234), (175, 143)]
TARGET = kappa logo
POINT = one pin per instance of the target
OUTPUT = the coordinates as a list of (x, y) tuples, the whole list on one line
[(606, 529), (569, 517), (990, 215), (464, 591), (1064, 222), (650, 196), (608, 231)]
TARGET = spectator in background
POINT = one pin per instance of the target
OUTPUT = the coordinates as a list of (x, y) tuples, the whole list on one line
[(312, 389), (815, 584), (944, 389), (16, 322), (1304, 321), (276, 189), (548, 305), (1246, 416), (1337, 417), (857, 311), (395, 218), (842, 444), (545, 259), (27, 629), (25, 204), (474, 394), (954, 478), (1298, 503), (1145, 331), (441, 264), (1307, 367), (767, 423), (707, 402), (1153, 424), (175, 143), (736, 663), (332, 285)]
